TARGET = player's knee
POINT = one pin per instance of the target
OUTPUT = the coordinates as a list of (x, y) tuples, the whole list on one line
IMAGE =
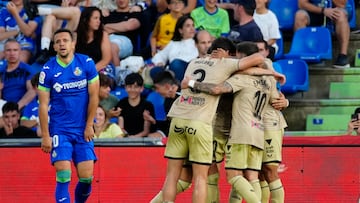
[(86, 180), (270, 172), (63, 176), (181, 186)]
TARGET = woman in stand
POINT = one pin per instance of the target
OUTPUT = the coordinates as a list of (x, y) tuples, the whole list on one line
[(92, 40), (103, 128)]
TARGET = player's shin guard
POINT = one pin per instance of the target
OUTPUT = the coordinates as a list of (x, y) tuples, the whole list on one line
[(234, 197), (181, 186), (277, 191), (62, 194), (213, 188), (265, 192), (83, 190), (244, 189), (256, 185)]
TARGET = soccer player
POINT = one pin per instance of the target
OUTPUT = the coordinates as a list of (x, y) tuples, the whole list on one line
[(70, 83), (244, 151), (190, 134)]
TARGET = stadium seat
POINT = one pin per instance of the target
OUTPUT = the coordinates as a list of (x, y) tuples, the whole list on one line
[(297, 75), (158, 102), (277, 68), (280, 43), (312, 44), (351, 9), (119, 92), (285, 12)]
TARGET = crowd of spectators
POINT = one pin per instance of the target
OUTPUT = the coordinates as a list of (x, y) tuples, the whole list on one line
[(167, 34)]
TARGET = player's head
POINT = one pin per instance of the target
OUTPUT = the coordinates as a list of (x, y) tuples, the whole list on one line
[(246, 48), (166, 84), (203, 41), (64, 43), (263, 48), (134, 85), (12, 50), (223, 43), (11, 114)]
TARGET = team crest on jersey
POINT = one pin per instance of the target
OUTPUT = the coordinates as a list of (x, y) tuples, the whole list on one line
[(42, 77), (77, 71), (54, 154)]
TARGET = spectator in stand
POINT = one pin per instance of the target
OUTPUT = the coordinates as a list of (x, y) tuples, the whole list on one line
[(12, 128), (354, 123), (53, 21), (30, 115), (133, 107), (180, 50), (94, 41), (15, 76), (107, 100), (211, 18), (102, 126), (165, 26), (247, 29), (203, 41), (314, 13), (15, 23), (268, 24), (162, 6), (123, 27)]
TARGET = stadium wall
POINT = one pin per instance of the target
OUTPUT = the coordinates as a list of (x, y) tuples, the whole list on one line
[(320, 169)]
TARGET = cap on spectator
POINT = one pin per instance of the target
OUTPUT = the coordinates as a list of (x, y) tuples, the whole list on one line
[(248, 4)]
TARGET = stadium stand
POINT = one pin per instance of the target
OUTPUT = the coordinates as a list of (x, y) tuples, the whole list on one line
[(285, 12), (297, 75), (312, 44)]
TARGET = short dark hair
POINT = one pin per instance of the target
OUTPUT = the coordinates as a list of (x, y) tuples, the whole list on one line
[(105, 81), (133, 78), (357, 110), (169, 1), (247, 48), (64, 30), (35, 80), (10, 106), (223, 43), (165, 77)]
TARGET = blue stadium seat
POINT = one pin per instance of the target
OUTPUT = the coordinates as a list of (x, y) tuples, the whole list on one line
[(277, 68), (312, 44), (119, 92), (158, 102), (285, 12), (297, 75), (350, 7), (280, 43)]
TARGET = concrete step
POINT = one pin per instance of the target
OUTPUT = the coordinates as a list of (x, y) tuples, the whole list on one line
[(296, 113), (327, 122), (315, 133), (320, 79), (344, 90)]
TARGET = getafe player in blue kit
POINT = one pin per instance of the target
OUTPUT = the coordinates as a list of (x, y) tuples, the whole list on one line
[(69, 83)]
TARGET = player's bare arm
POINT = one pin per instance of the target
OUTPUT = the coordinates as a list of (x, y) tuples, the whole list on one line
[(46, 140), (209, 88), (93, 103)]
